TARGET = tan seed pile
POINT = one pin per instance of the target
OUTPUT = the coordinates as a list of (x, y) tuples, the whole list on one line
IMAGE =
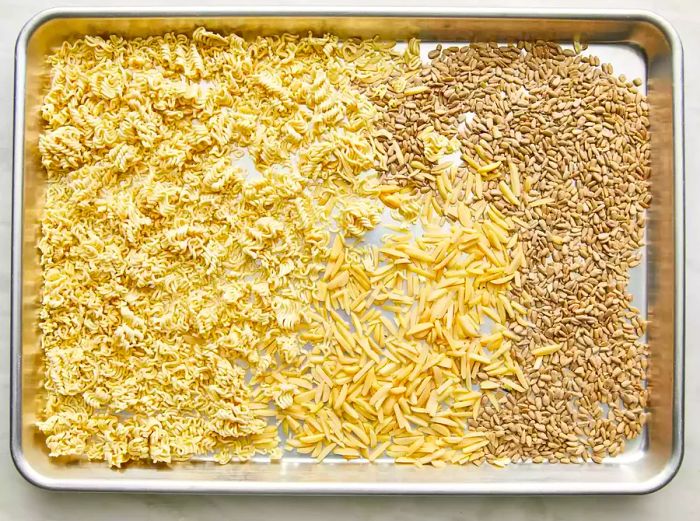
[(574, 140)]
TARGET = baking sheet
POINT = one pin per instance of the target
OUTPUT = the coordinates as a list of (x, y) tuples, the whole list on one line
[(637, 44)]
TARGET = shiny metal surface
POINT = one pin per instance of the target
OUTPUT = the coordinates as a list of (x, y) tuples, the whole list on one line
[(645, 467)]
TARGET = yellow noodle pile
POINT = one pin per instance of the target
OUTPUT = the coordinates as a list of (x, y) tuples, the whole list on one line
[(403, 355), (192, 303)]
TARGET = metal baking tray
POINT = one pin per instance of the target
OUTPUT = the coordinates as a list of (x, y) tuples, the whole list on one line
[(642, 41)]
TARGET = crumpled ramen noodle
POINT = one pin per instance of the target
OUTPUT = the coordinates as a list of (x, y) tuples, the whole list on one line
[(177, 285)]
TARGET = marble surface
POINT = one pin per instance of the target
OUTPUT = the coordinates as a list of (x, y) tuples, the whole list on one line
[(680, 500)]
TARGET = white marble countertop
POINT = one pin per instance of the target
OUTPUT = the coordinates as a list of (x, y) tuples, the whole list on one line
[(680, 500)]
